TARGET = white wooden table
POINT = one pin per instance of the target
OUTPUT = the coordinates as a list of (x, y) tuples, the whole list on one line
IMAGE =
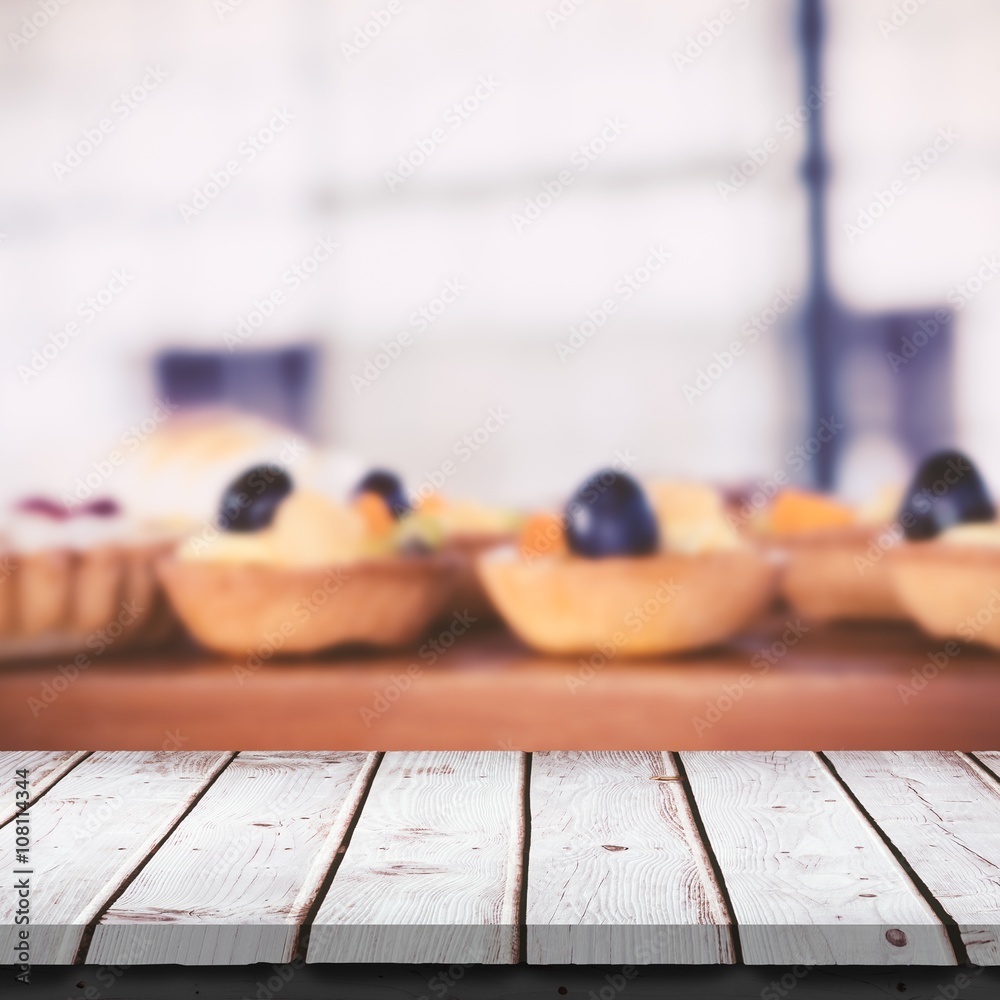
[(555, 858)]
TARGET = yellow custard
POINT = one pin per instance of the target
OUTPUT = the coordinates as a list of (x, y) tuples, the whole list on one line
[(691, 518), (308, 529)]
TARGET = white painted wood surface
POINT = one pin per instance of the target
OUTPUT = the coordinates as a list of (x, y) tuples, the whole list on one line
[(146, 858), (617, 872), (943, 815), (809, 881), (233, 883), (88, 835), (990, 760), (45, 768), (432, 871)]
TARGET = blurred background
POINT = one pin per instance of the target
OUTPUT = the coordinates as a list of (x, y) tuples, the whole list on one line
[(376, 223)]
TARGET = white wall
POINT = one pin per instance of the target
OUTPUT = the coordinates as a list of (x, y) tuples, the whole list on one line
[(898, 80), (657, 185)]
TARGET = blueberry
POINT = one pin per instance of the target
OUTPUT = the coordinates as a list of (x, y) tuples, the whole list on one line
[(389, 487), (609, 515), (251, 499), (947, 489)]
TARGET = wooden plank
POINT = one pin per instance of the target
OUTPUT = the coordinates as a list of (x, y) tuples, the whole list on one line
[(617, 872), (943, 815), (234, 881), (990, 759), (432, 871), (810, 882), (45, 768), (90, 833)]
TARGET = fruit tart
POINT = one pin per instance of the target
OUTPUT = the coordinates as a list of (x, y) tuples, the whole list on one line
[(629, 571), (77, 578), (462, 528), (833, 555), (947, 570), (289, 570)]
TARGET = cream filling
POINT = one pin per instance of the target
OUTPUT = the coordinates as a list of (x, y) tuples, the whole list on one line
[(691, 518)]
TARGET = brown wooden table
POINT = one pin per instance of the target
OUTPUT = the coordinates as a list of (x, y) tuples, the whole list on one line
[(830, 687)]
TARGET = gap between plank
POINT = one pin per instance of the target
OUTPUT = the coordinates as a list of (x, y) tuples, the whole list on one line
[(981, 766), (88, 934), (300, 947), (44, 791), (522, 919), (713, 861), (950, 924)]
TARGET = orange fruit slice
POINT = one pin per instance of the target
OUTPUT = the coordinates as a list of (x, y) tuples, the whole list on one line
[(378, 518), (542, 535), (798, 511)]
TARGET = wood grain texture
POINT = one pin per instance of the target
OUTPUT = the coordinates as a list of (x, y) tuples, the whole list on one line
[(943, 815), (90, 833), (234, 881), (809, 880), (45, 768), (432, 872), (989, 759), (617, 872)]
